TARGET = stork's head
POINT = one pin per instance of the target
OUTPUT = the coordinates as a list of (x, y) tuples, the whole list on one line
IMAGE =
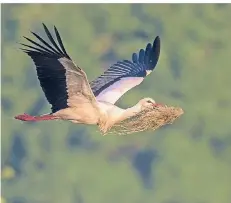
[(146, 103)]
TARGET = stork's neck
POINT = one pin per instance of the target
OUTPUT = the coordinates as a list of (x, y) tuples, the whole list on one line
[(116, 115), (131, 111)]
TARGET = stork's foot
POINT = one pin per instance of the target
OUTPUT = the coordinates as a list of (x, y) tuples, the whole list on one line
[(26, 117)]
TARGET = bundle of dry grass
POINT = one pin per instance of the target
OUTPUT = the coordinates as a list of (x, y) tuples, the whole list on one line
[(148, 119)]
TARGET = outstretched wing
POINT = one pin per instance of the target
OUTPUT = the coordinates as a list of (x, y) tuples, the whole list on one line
[(124, 75), (63, 83)]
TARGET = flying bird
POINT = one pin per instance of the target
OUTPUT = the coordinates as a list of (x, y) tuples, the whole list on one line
[(73, 98)]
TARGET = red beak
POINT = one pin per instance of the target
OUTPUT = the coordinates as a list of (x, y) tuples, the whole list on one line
[(157, 104)]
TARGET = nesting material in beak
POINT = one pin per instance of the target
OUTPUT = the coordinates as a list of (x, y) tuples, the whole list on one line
[(146, 120)]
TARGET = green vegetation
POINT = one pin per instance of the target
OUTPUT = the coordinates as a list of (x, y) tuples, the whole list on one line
[(59, 162)]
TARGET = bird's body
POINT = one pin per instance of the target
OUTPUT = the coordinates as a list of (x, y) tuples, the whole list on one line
[(105, 117), (73, 98)]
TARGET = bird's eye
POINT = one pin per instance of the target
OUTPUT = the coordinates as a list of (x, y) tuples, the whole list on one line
[(149, 101)]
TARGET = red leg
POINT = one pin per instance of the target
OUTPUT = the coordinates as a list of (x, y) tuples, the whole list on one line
[(26, 117)]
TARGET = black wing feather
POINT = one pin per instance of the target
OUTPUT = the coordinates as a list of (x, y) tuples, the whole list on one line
[(60, 41), (49, 47), (137, 67), (51, 39), (50, 71), (35, 48)]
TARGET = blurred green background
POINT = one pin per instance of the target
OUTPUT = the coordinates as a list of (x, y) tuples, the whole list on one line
[(59, 162)]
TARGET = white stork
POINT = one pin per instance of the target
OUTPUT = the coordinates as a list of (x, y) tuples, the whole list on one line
[(73, 98)]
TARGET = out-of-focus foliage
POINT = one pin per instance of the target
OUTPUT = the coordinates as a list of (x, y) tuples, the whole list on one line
[(57, 162)]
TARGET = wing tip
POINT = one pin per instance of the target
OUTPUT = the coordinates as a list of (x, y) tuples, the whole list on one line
[(44, 25), (156, 42), (153, 54), (48, 48), (157, 37)]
